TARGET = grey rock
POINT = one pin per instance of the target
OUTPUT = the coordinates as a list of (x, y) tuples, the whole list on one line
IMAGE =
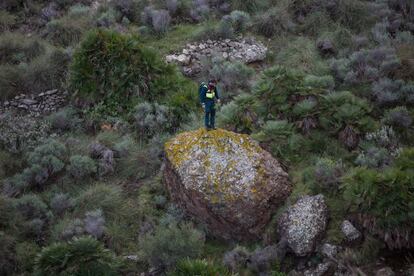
[(322, 269), (226, 181), (23, 106), (304, 223), (386, 271), (51, 92), (28, 101), (329, 250), (261, 260), (349, 230)]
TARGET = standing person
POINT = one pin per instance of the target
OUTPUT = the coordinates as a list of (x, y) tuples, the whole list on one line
[(208, 97)]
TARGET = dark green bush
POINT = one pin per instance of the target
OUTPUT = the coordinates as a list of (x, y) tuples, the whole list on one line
[(81, 167), (384, 199), (81, 256), (8, 262), (7, 20), (44, 161), (171, 243), (25, 73), (198, 267), (16, 48), (114, 72), (68, 30), (275, 21)]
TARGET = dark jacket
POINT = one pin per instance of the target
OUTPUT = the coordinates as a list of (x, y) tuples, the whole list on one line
[(202, 92)]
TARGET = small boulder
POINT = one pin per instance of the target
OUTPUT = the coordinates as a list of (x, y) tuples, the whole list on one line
[(386, 271), (225, 181), (349, 230), (329, 251), (304, 223)]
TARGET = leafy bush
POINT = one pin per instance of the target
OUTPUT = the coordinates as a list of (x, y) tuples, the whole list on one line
[(238, 115), (65, 119), (60, 203), (200, 10), (240, 20), (171, 243), (366, 65), (374, 157), (398, 117), (198, 267), (275, 21), (81, 167), (158, 20), (7, 20), (31, 206), (247, 6), (108, 198), (225, 28), (44, 161), (8, 263), (81, 256), (341, 109), (114, 71), (302, 55), (383, 199), (231, 75), (67, 30), (151, 119), (30, 67)]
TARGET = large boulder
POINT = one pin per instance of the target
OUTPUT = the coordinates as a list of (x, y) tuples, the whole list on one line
[(304, 223), (225, 181)]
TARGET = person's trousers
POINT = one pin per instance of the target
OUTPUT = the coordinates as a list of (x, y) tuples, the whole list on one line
[(210, 117)]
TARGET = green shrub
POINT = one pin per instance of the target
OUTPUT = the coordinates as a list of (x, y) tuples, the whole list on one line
[(383, 199), (31, 206), (81, 167), (16, 48), (44, 161), (108, 198), (114, 72), (325, 176), (342, 109), (8, 263), (81, 256), (171, 243), (33, 68), (275, 21), (199, 267), (239, 114), (7, 20), (151, 119), (26, 254), (68, 30), (232, 76), (247, 6), (241, 21), (65, 119), (302, 55)]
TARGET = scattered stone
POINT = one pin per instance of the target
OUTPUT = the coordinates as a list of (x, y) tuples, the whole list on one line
[(226, 181), (321, 269), (329, 250), (133, 258), (36, 105), (28, 101), (386, 271), (349, 230), (246, 51), (304, 223)]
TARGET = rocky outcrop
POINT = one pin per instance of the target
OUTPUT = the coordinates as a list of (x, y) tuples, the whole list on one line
[(36, 105), (243, 50), (303, 224), (225, 181)]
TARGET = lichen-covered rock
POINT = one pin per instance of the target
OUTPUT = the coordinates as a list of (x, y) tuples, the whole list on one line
[(349, 230), (304, 223), (225, 180)]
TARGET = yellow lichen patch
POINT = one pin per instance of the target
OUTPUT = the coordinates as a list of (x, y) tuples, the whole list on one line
[(223, 165), (177, 149)]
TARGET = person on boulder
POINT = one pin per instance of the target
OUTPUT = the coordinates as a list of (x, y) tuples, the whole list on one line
[(208, 97)]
